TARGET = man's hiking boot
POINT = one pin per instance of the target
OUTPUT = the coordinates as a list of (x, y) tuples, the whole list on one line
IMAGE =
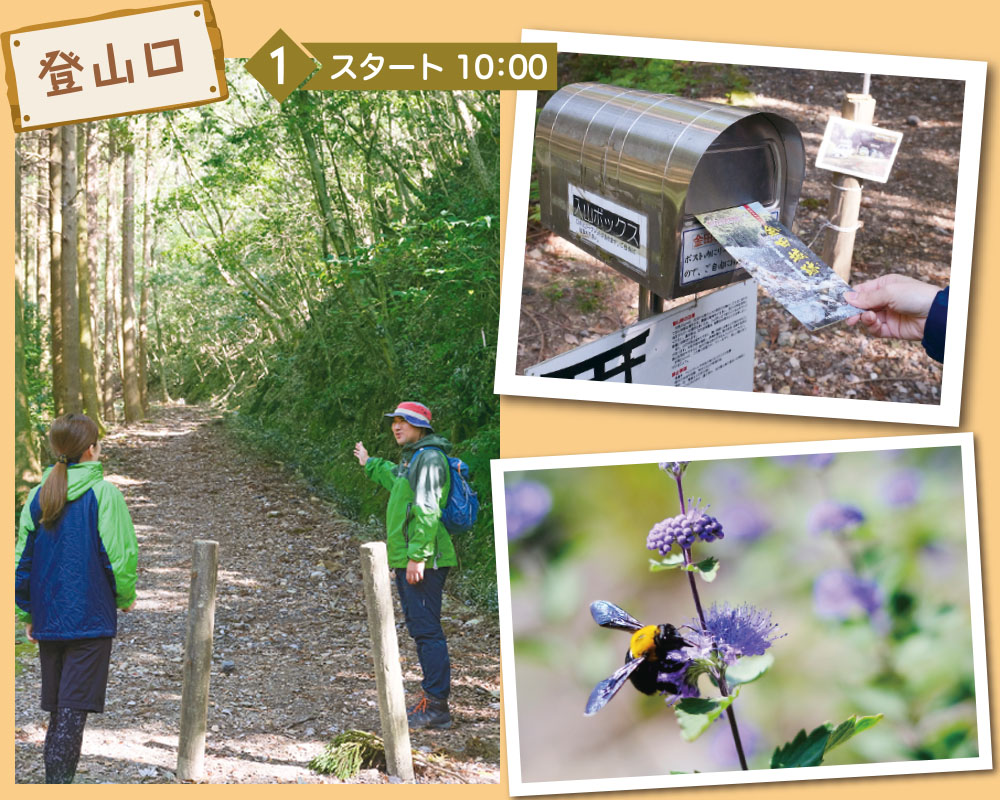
[(429, 712)]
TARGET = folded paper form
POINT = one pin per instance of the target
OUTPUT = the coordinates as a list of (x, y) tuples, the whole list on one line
[(778, 260)]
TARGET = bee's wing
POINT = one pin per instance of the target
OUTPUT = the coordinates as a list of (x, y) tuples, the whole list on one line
[(609, 687), (608, 615)]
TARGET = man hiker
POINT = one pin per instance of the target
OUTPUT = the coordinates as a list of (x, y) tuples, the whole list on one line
[(418, 546)]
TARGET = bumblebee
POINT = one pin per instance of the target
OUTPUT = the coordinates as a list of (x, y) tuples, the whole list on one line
[(653, 653)]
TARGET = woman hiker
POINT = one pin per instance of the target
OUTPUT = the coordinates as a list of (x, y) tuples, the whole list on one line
[(419, 548), (74, 569)]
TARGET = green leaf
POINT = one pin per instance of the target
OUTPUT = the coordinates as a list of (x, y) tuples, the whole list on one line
[(748, 669), (851, 727), (673, 561), (805, 750), (695, 714), (708, 568)]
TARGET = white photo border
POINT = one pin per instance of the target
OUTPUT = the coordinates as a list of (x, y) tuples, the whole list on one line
[(947, 412), (984, 761)]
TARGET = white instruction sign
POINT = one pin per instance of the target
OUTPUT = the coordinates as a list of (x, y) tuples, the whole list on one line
[(708, 343), (702, 256), (610, 226)]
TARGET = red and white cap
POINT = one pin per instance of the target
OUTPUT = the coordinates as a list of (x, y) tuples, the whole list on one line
[(417, 414)]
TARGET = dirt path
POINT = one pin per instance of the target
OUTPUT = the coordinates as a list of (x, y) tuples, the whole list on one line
[(290, 617), (570, 298)]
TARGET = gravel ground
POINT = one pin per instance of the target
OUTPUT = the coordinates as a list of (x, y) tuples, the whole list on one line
[(570, 298), (290, 617)]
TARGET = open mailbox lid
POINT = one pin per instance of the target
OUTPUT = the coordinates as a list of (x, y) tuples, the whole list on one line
[(622, 172)]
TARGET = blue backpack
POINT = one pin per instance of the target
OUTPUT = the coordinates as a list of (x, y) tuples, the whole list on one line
[(462, 507)]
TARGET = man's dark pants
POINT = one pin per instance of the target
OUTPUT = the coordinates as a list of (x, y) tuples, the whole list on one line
[(422, 609)]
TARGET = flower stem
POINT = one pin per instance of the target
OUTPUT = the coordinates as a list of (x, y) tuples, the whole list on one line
[(723, 686), (694, 588), (680, 492), (724, 689)]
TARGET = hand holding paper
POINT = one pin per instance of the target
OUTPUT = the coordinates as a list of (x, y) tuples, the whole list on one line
[(896, 306)]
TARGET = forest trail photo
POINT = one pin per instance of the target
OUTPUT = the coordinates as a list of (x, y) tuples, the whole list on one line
[(235, 295), (291, 664)]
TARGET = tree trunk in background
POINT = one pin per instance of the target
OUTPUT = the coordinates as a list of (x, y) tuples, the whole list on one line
[(70, 259), (107, 376), (161, 351), (28, 227), (147, 265), (130, 374), (460, 102), (55, 271), (86, 275), (26, 464), (42, 291)]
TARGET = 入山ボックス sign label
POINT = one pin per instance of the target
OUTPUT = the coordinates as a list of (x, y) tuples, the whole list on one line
[(609, 226)]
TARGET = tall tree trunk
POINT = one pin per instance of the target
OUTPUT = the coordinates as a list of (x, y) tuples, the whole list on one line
[(42, 290), (107, 378), (70, 260), (86, 277), (161, 352), (26, 464), (147, 254), (29, 218), (130, 373), (55, 272)]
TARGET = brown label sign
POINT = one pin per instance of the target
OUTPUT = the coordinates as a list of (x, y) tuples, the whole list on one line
[(438, 66), (126, 62)]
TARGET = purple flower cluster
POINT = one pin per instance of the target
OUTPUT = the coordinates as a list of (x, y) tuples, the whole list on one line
[(674, 468), (746, 520), (528, 503), (683, 530), (902, 488), (833, 517), (733, 632), (840, 594)]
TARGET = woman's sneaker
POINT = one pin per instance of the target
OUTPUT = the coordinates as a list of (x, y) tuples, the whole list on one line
[(429, 712)]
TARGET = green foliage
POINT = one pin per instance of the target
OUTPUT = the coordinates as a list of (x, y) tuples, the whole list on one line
[(653, 74), (695, 714), (749, 669), (589, 294), (707, 569), (809, 749), (348, 753), (336, 255), (673, 561), (39, 381), (24, 649)]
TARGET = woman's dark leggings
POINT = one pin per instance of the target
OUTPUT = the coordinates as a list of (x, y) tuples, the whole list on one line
[(62, 744)]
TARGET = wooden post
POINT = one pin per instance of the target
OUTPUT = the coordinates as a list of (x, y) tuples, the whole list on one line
[(385, 653), (197, 661), (649, 303), (845, 197)]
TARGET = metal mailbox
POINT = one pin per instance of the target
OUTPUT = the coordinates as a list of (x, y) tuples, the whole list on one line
[(622, 173)]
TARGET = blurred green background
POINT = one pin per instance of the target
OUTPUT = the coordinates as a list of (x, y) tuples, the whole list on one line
[(876, 614)]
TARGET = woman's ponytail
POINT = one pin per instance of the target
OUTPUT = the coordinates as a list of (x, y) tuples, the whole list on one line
[(70, 436)]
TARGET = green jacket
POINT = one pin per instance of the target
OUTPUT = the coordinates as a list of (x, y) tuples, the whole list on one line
[(417, 493)]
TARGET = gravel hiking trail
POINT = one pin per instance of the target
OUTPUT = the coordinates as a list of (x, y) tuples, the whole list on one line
[(290, 622)]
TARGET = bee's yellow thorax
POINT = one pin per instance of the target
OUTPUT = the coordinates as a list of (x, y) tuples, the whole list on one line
[(644, 641)]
